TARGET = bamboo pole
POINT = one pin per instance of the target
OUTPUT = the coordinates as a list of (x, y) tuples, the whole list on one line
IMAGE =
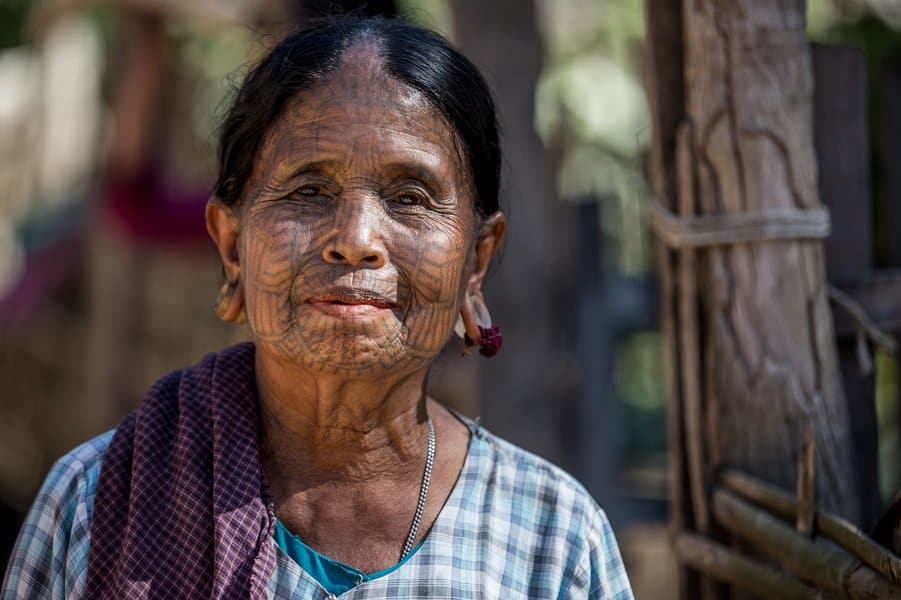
[(690, 355), (827, 566), (806, 488), (729, 566), (663, 83), (828, 525)]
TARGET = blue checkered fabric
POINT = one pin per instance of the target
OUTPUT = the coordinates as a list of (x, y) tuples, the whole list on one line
[(514, 526)]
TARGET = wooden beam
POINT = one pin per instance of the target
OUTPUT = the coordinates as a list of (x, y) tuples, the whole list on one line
[(806, 489), (830, 526), (730, 566), (888, 223), (825, 565), (841, 137), (879, 294)]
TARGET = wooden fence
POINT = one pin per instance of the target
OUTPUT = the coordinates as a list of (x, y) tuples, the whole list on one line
[(736, 96)]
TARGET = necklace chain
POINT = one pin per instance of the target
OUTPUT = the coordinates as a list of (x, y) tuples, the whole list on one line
[(423, 492)]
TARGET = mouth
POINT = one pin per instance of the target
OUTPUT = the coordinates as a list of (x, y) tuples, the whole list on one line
[(351, 303)]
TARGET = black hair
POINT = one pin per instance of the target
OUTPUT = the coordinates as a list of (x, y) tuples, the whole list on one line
[(417, 57)]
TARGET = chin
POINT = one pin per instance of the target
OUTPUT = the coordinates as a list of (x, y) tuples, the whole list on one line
[(348, 354)]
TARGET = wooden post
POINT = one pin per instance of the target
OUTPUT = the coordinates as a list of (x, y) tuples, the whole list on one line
[(727, 565), (890, 201), (769, 356), (842, 147), (889, 222), (832, 569), (665, 89), (599, 416), (843, 157)]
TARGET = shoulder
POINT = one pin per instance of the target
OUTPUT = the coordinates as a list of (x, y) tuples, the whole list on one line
[(561, 519), (78, 469), (519, 473), (51, 554)]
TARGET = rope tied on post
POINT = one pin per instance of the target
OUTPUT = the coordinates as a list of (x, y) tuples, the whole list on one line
[(726, 229)]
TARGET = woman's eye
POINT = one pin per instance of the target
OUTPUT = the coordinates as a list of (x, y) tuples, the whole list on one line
[(310, 191), (409, 199)]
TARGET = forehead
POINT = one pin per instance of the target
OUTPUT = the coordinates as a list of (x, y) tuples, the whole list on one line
[(361, 109)]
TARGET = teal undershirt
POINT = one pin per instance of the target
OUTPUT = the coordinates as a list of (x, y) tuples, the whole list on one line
[(336, 577)]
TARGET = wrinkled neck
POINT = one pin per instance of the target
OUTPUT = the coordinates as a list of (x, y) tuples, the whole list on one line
[(326, 427)]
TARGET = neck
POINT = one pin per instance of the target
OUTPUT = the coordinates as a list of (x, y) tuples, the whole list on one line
[(327, 428)]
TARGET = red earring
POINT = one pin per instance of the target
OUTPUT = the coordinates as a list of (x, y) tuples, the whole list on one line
[(490, 341), (491, 338)]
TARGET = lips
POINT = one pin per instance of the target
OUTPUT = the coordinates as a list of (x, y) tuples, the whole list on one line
[(351, 303)]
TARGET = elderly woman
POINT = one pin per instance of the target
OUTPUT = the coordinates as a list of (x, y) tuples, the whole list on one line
[(356, 214)]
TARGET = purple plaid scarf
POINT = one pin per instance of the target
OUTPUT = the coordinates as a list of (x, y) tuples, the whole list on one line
[(181, 510)]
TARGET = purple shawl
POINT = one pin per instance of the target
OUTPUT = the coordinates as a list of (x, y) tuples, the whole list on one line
[(181, 510)]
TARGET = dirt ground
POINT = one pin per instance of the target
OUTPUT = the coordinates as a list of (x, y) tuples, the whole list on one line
[(649, 561)]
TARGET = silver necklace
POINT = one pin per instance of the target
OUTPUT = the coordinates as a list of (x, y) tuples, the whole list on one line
[(423, 492)]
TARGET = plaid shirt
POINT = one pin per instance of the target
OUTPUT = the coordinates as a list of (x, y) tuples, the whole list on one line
[(513, 527)]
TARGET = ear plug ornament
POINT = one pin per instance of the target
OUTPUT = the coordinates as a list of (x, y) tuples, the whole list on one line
[(491, 339), (224, 300)]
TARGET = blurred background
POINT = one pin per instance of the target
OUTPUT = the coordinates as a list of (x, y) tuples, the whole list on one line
[(108, 112)]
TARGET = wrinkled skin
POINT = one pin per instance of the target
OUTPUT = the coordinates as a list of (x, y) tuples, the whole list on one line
[(362, 190), (355, 247)]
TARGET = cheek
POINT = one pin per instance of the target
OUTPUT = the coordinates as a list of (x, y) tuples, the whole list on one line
[(434, 260), (270, 255), (280, 254), (435, 269)]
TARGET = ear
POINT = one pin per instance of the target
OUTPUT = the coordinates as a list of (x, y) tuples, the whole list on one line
[(472, 308), (491, 234), (223, 226)]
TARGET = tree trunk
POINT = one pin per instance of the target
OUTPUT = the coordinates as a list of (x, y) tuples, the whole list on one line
[(769, 359)]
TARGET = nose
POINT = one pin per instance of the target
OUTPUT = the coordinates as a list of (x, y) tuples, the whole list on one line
[(357, 239)]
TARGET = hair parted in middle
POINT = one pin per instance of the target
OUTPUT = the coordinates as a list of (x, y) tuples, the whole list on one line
[(419, 58)]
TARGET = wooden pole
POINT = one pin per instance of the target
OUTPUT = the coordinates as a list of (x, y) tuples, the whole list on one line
[(664, 85), (834, 528), (690, 338), (731, 567), (770, 363), (826, 565), (841, 138), (806, 488)]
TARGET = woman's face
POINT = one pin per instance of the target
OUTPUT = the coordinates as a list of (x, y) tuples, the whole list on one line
[(357, 230)]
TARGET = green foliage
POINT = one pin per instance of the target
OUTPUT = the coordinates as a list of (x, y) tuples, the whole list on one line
[(640, 380), (434, 14), (590, 106)]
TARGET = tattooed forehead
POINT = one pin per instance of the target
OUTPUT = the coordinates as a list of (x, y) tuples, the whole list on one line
[(327, 146), (360, 119)]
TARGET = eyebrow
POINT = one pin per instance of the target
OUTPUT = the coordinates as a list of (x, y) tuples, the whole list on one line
[(316, 166), (410, 167), (413, 169)]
